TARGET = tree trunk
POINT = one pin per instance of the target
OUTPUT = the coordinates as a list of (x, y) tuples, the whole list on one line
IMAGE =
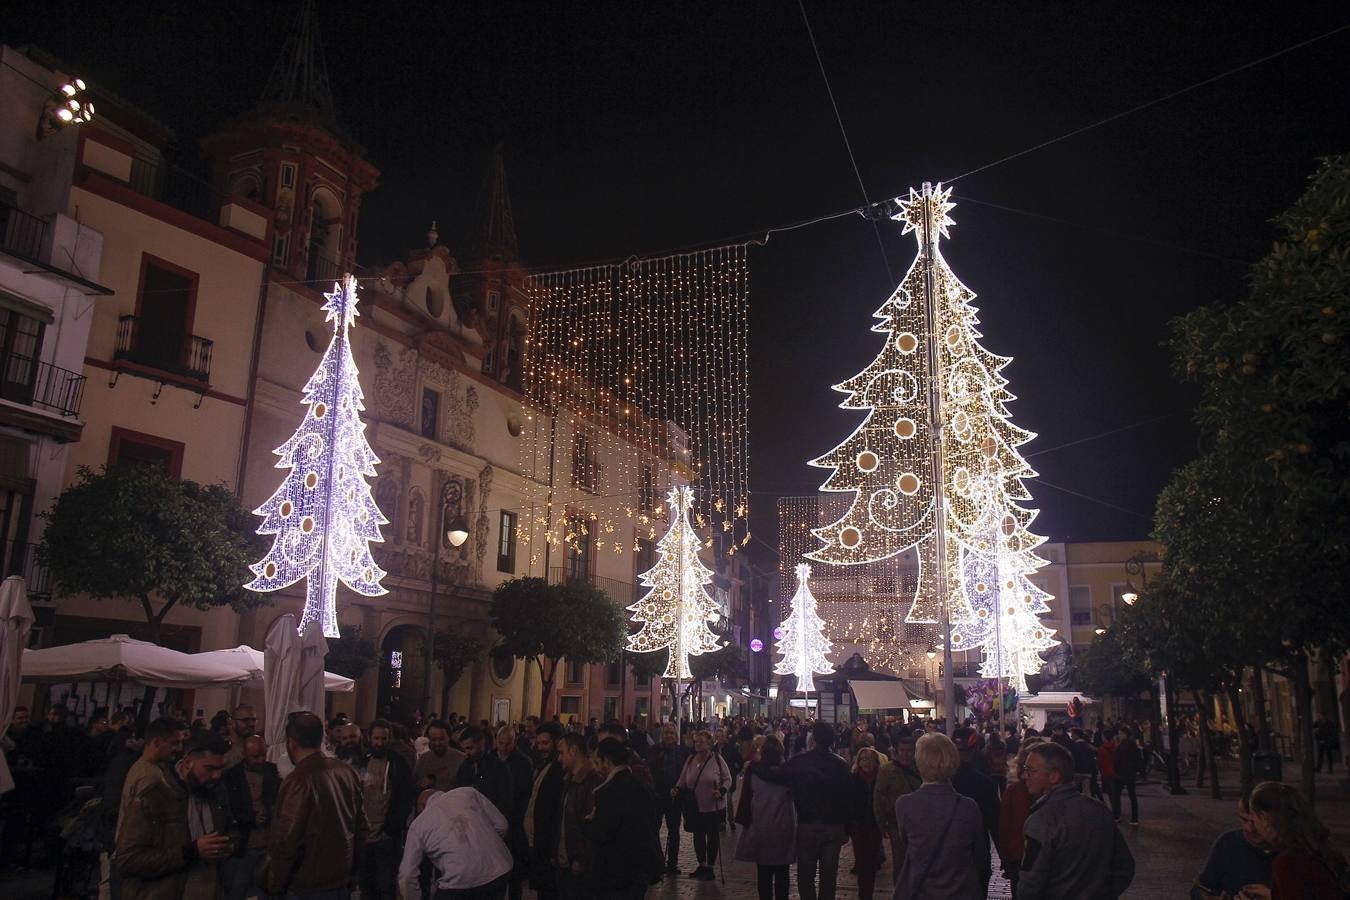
[(1303, 704), (1259, 698), (445, 693), (1244, 746), (1208, 756), (1173, 735), (547, 687)]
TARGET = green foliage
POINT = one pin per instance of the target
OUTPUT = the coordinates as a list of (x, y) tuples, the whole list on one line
[(646, 666), (455, 651), (727, 662), (1106, 672), (547, 623), (1258, 528), (135, 532), (575, 621), (350, 655)]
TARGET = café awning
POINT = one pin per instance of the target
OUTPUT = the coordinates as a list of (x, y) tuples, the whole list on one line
[(880, 694)]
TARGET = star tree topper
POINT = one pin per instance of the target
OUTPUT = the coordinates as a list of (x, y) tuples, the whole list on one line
[(324, 514)]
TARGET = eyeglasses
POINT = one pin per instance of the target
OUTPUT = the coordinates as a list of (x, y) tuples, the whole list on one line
[(1032, 771)]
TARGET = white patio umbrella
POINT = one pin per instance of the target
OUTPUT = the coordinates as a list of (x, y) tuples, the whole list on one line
[(281, 682), (313, 651), (16, 620), (120, 658), (250, 659)]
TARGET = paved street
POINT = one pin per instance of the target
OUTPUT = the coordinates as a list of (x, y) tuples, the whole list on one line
[(1169, 846)]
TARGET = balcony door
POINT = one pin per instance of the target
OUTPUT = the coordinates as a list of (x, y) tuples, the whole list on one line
[(20, 345), (164, 318)]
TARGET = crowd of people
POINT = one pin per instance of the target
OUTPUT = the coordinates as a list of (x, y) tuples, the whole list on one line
[(462, 810)]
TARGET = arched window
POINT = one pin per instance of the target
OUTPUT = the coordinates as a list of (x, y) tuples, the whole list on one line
[(325, 238)]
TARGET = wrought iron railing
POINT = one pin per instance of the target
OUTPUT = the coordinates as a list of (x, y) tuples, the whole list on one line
[(176, 187), (37, 383), (23, 561), (21, 233), (321, 272), (618, 591), (147, 345)]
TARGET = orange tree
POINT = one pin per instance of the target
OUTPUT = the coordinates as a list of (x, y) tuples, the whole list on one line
[(1257, 530)]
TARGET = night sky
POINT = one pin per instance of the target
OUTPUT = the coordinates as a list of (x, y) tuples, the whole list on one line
[(633, 128)]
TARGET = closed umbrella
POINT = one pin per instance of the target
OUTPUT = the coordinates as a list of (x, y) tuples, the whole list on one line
[(313, 651), (281, 681), (16, 620)]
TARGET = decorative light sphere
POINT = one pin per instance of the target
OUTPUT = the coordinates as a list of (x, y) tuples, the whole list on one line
[(756, 645)]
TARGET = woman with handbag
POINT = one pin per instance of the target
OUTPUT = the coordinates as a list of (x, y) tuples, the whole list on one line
[(768, 823), (946, 845), (702, 792)]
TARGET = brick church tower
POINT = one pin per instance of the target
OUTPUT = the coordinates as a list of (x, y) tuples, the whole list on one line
[(290, 154)]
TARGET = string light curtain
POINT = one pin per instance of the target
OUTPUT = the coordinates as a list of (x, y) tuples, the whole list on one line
[(864, 605), (887, 464), (637, 374)]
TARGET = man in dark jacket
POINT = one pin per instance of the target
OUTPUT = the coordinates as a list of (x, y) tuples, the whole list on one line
[(252, 786), (970, 783), (821, 787), (1073, 849), (482, 769), (541, 816), (573, 859), (522, 780), (1084, 764), (667, 762), (319, 827), (627, 847)]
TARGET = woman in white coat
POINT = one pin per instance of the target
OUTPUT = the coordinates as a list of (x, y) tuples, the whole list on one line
[(769, 838)]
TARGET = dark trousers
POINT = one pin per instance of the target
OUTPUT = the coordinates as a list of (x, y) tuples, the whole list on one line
[(379, 869), (1117, 784), (818, 850), (773, 882), (1327, 753), (493, 890), (670, 812), (574, 887), (707, 837), (867, 855)]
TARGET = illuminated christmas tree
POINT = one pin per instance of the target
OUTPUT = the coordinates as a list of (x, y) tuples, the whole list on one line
[(803, 645), (323, 514), (675, 612), (940, 371)]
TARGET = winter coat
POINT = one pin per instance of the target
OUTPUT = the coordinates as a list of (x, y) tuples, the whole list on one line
[(623, 832), (1073, 849), (893, 782), (769, 837), (156, 855)]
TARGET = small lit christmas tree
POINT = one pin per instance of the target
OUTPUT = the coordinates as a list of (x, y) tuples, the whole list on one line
[(803, 644), (323, 514), (676, 611)]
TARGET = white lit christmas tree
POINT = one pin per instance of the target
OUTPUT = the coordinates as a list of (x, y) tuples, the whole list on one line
[(803, 645), (933, 355), (675, 612), (323, 514)]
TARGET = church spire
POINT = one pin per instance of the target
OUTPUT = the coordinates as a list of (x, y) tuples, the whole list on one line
[(299, 80), (496, 235)]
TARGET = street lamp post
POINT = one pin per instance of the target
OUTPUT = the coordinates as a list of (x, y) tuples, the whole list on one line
[(454, 533), (1137, 565)]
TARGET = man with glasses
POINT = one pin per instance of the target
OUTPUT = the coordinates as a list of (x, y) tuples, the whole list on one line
[(243, 727), (1073, 847)]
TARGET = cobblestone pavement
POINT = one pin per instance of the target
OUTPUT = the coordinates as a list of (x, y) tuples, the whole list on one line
[(1169, 845)]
